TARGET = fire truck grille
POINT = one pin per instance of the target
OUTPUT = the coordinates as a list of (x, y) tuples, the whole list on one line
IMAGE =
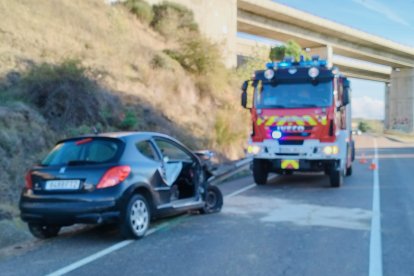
[(291, 142)]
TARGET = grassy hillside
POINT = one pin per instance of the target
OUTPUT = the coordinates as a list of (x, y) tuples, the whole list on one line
[(72, 65)]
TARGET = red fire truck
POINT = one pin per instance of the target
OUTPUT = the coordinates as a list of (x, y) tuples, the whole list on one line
[(301, 120)]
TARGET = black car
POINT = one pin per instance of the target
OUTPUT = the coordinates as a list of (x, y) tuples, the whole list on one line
[(127, 178)]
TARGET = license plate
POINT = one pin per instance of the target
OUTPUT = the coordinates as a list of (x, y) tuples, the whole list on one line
[(72, 184), (289, 164)]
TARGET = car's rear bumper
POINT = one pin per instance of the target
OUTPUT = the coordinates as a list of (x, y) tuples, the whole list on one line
[(64, 212)]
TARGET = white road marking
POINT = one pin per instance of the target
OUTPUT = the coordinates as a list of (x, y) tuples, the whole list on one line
[(241, 191), (123, 244), (375, 247), (104, 252)]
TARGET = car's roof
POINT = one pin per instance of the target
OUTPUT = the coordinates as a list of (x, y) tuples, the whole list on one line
[(124, 135)]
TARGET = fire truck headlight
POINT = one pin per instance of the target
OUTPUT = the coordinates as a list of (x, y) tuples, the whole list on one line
[(313, 72), (269, 74), (254, 149), (330, 150), (276, 134)]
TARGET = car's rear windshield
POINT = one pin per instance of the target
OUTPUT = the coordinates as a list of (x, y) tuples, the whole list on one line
[(84, 151)]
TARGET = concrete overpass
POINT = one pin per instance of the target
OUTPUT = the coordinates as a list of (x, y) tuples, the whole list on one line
[(364, 55), (352, 68)]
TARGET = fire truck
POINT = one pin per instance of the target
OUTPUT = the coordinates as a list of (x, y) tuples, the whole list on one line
[(301, 120)]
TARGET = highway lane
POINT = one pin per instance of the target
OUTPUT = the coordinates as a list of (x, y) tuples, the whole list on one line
[(296, 225)]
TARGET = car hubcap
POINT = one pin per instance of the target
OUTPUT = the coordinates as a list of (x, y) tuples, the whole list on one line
[(211, 200), (139, 217)]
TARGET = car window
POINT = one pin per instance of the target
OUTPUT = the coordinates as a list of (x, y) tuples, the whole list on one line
[(173, 152), (83, 151), (146, 149)]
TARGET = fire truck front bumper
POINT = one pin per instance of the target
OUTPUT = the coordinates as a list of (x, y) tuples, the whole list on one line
[(311, 155)]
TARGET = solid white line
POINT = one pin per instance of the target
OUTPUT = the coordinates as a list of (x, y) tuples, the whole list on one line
[(104, 252), (375, 247), (241, 191), (91, 258), (122, 244)]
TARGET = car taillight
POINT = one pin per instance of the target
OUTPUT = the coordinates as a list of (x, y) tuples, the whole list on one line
[(28, 180), (114, 176)]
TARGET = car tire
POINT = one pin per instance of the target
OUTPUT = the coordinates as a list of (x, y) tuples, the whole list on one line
[(44, 231), (260, 171), (136, 218), (213, 200), (336, 178)]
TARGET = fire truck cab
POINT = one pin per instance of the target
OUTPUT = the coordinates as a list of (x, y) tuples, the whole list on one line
[(301, 120)]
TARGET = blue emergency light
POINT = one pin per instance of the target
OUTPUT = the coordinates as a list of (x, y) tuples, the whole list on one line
[(289, 62)]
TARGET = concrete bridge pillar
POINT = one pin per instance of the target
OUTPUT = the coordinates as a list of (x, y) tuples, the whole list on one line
[(387, 95), (324, 52), (400, 101)]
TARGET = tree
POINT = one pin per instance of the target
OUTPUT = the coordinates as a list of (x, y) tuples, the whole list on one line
[(291, 49), (364, 126)]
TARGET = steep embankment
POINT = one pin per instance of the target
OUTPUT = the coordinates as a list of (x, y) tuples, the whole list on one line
[(68, 66)]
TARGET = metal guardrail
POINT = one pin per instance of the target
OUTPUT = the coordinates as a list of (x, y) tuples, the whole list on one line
[(230, 170)]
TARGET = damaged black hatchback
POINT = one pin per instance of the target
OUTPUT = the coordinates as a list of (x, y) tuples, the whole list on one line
[(127, 178)]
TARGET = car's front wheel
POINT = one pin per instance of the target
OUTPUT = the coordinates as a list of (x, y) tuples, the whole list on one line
[(136, 218), (260, 171), (43, 231), (336, 178), (213, 200)]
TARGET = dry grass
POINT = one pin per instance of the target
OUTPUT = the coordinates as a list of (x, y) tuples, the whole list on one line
[(121, 49)]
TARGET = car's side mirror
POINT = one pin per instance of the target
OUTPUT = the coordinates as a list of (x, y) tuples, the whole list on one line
[(346, 97), (165, 159), (204, 155), (247, 94), (244, 94)]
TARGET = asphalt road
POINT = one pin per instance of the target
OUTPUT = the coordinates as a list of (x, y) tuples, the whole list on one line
[(295, 225)]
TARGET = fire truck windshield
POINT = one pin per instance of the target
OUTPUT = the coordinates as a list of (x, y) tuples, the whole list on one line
[(295, 95)]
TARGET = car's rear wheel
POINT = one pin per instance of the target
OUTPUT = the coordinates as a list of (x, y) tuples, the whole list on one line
[(43, 231), (136, 218), (213, 200)]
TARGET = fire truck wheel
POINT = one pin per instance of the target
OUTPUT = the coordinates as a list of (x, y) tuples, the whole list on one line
[(336, 178), (260, 171), (349, 171)]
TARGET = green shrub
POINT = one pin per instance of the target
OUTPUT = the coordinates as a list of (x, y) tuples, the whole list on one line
[(173, 20), (197, 55), (129, 121), (141, 9), (66, 96), (164, 61), (291, 49), (364, 126)]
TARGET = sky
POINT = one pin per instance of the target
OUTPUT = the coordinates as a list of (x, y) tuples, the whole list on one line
[(390, 19)]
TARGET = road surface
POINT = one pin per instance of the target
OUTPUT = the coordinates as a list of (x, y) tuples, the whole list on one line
[(295, 225)]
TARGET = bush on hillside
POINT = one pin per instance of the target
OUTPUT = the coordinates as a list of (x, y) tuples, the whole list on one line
[(67, 97), (173, 20), (197, 55), (141, 9)]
